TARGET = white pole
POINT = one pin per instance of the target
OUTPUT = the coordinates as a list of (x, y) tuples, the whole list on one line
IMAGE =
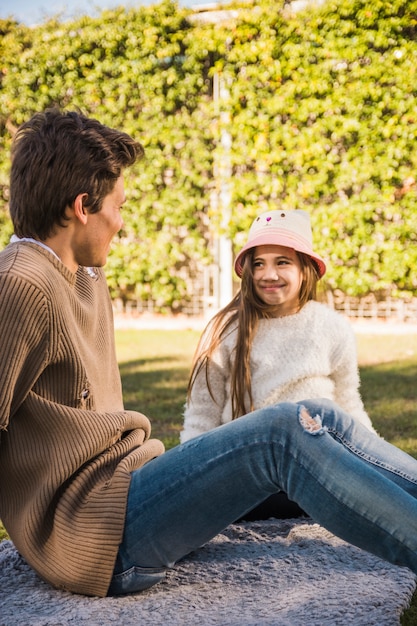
[(224, 175)]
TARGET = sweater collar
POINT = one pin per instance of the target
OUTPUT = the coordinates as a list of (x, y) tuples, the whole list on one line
[(15, 238), (91, 271)]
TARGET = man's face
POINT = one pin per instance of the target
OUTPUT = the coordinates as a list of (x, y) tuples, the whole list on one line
[(94, 245)]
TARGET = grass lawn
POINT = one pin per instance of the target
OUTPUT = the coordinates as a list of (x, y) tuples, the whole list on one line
[(155, 364)]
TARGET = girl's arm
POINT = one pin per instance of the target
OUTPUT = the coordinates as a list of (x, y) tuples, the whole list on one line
[(204, 410), (345, 375)]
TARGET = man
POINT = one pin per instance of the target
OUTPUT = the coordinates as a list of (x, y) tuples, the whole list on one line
[(90, 501), (68, 446)]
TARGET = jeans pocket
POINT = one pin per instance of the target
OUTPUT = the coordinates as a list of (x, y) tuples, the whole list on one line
[(135, 579)]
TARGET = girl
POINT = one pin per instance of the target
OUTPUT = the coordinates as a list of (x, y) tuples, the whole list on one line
[(273, 342)]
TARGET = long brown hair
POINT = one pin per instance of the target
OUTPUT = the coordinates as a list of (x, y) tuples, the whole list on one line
[(243, 313)]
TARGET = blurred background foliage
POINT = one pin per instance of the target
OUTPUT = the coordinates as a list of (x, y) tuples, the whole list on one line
[(318, 105)]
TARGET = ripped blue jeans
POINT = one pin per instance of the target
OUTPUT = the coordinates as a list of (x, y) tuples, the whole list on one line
[(346, 478)]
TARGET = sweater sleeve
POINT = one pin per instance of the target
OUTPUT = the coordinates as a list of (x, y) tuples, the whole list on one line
[(345, 375), (202, 412), (25, 344)]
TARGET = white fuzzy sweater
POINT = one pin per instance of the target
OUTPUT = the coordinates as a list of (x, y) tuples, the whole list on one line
[(311, 354)]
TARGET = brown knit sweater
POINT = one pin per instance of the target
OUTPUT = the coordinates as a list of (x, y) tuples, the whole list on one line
[(67, 446)]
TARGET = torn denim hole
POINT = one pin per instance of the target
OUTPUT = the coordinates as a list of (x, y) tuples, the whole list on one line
[(312, 425)]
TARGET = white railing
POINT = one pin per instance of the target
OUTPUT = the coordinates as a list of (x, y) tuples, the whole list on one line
[(369, 307)]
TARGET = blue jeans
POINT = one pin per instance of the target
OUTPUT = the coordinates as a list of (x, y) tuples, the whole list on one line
[(346, 478)]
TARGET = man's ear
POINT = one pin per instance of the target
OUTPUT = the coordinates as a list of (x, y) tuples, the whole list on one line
[(80, 211)]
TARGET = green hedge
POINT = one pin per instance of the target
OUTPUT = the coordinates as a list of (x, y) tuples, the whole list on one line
[(319, 105)]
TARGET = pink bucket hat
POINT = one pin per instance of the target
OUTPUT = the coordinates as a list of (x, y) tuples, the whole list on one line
[(291, 229)]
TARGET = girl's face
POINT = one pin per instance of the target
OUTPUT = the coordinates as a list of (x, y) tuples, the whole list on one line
[(277, 278)]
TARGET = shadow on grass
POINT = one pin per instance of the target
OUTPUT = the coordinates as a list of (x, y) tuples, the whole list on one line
[(157, 387), (389, 392)]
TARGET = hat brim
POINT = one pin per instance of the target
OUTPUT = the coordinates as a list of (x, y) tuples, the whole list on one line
[(287, 242)]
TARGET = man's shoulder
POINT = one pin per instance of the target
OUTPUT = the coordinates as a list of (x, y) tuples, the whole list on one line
[(17, 253), (7, 256), (17, 259), (27, 274), (32, 263)]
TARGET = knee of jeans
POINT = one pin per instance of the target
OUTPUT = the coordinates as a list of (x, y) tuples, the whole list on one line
[(135, 579), (333, 417), (311, 424)]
